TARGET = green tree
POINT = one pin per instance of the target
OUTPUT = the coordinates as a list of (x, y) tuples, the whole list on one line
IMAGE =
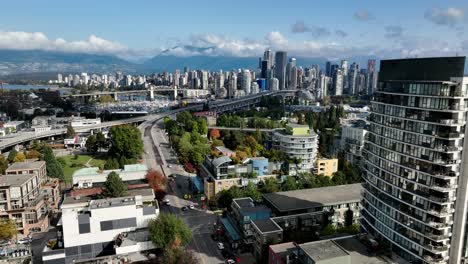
[(12, 155), (329, 230), (169, 231), (20, 157), (54, 169), (70, 132), (126, 142), (91, 144), (3, 164), (202, 126), (114, 186), (100, 140), (252, 192), (7, 229), (111, 164), (270, 185), (290, 184)]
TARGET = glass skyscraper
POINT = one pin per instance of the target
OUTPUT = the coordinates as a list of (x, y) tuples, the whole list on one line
[(415, 169)]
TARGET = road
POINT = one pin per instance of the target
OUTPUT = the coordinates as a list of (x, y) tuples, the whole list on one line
[(200, 221)]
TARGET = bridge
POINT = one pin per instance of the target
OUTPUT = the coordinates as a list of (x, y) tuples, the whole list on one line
[(219, 107), (115, 94), (244, 129)]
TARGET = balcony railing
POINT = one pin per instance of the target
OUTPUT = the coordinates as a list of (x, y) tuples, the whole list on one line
[(434, 260)]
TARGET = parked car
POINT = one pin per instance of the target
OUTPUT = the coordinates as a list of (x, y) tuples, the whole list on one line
[(25, 240), (230, 261), (220, 245), (192, 207), (184, 208)]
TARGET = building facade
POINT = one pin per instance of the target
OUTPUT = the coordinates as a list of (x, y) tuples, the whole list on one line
[(414, 198), (299, 142), (326, 167)]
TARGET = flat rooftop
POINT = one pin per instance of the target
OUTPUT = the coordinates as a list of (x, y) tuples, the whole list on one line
[(323, 250), (26, 165), (244, 202), (316, 197), (15, 180), (283, 247), (266, 225)]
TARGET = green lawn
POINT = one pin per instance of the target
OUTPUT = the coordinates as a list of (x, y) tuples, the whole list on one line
[(72, 164)]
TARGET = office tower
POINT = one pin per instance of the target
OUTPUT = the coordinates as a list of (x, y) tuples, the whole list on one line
[(291, 63), (246, 81), (328, 69), (204, 80), (274, 84), (322, 87), (338, 82), (186, 69), (280, 68), (293, 78), (264, 69), (268, 56), (344, 67), (262, 84), (371, 77), (219, 81), (415, 191), (353, 79), (59, 78)]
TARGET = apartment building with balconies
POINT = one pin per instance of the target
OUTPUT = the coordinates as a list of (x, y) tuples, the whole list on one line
[(299, 143), (414, 197), (28, 167), (21, 200)]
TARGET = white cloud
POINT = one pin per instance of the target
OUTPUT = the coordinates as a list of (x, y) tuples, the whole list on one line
[(448, 17)]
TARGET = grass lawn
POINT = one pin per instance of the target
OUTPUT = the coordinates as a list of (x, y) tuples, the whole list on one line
[(72, 164)]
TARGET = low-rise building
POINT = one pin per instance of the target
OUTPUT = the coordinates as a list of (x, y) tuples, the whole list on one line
[(334, 201), (76, 142), (22, 200), (226, 151), (13, 126), (298, 142), (98, 229), (51, 191), (40, 129), (221, 173), (28, 167), (89, 177), (326, 167), (284, 253), (210, 117), (266, 232)]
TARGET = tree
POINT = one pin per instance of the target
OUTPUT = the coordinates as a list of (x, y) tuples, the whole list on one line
[(70, 132), (252, 192), (7, 229), (12, 155), (157, 182), (114, 186), (126, 142), (33, 154), (91, 144), (54, 169), (20, 157), (100, 140), (290, 184), (106, 99), (179, 255), (202, 126), (3, 164), (329, 230), (169, 231), (270, 185), (111, 164), (215, 134)]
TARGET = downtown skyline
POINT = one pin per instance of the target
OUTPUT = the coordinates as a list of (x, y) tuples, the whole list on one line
[(140, 31)]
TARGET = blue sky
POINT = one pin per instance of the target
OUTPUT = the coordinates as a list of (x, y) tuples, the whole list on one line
[(136, 29)]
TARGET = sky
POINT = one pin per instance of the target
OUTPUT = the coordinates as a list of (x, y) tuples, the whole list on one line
[(140, 29)]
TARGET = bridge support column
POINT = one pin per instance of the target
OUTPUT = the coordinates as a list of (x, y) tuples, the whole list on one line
[(175, 92), (116, 97)]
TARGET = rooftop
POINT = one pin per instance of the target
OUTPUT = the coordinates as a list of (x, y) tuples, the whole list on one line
[(266, 225), (323, 250), (96, 171), (315, 197), (283, 247), (218, 161), (15, 180), (244, 202), (26, 165)]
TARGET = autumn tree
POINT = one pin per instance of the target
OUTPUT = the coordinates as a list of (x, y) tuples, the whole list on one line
[(7, 229), (157, 182), (215, 134), (3, 164), (33, 154), (20, 157)]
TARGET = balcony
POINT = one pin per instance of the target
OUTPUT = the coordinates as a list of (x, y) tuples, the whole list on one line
[(442, 199), (433, 236), (434, 259), (437, 224), (440, 248), (441, 213)]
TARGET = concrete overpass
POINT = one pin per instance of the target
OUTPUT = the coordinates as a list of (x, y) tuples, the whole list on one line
[(246, 129), (219, 107), (115, 94)]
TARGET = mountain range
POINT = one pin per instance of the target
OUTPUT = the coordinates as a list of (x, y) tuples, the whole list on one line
[(21, 63)]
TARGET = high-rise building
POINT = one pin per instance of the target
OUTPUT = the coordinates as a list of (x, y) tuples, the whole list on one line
[(371, 77), (246, 81), (268, 56), (289, 73), (59, 78), (338, 82), (264, 69), (353, 79), (415, 191), (255, 88), (328, 69), (280, 68), (232, 85), (204, 79), (273, 84), (293, 78)]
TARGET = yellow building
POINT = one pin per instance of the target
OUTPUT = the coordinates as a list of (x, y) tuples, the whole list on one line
[(326, 167)]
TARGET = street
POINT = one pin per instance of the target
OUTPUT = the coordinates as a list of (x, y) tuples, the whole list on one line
[(200, 221)]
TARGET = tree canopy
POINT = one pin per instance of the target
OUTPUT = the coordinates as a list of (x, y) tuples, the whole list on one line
[(54, 168), (169, 231), (70, 132), (114, 186), (3, 164), (12, 155), (179, 255), (7, 229), (91, 144), (126, 144)]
